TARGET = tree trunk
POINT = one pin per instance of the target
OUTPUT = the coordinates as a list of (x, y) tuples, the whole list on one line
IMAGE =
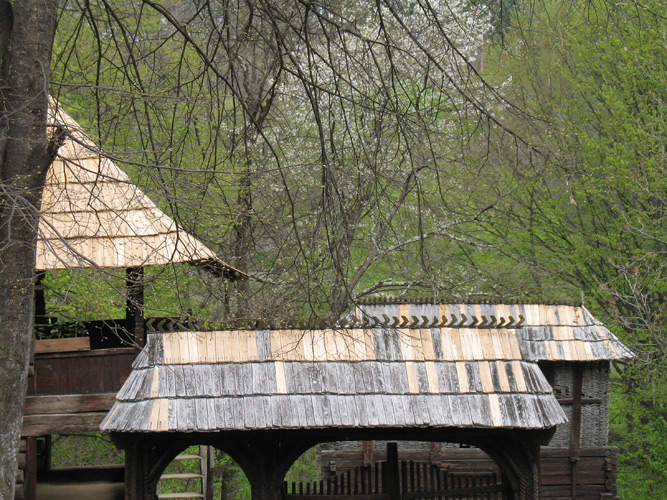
[(26, 38)]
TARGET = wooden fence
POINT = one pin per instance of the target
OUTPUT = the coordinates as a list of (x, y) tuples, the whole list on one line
[(416, 480)]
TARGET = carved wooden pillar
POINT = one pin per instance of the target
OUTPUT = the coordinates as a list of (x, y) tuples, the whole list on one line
[(265, 461), (391, 475), (519, 461), (137, 481), (146, 458)]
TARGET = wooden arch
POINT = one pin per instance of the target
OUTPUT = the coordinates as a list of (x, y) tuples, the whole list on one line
[(266, 456)]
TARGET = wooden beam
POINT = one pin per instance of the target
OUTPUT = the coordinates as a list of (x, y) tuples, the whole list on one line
[(390, 475), (95, 353), (69, 403), (95, 473), (566, 402), (134, 309), (30, 479), (67, 423), (40, 301), (74, 344), (435, 453), (576, 424), (210, 470), (48, 452), (367, 457)]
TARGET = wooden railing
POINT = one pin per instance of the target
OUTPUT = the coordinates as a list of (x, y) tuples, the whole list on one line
[(416, 480)]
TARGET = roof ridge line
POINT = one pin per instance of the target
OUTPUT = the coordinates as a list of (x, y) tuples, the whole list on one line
[(471, 299), (168, 325)]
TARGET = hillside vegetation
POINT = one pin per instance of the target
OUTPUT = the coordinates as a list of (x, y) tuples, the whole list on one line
[(340, 151)]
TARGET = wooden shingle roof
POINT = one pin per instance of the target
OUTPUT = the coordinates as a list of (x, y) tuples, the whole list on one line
[(548, 332), (92, 215), (345, 378)]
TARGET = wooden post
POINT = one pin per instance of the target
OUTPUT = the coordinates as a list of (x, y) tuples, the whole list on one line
[(265, 460), (207, 471), (48, 451), (367, 453), (436, 453), (391, 473), (40, 300), (577, 389), (30, 481), (134, 303)]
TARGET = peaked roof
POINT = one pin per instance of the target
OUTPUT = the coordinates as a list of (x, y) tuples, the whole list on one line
[(92, 215), (346, 378), (548, 332)]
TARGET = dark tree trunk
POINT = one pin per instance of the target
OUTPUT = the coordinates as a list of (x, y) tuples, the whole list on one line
[(26, 38)]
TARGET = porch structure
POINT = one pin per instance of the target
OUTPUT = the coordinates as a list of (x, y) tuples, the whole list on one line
[(266, 396)]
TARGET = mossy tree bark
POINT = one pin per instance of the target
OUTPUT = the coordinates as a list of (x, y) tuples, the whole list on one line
[(26, 37)]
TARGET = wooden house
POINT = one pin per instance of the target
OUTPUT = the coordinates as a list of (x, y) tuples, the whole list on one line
[(503, 379), (574, 352), (92, 216), (265, 395)]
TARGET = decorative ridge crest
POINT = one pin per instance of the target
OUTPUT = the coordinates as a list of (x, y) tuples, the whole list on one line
[(166, 325), (472, 299)]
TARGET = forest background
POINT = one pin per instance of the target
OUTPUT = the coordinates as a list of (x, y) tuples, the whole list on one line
[(345, 150)]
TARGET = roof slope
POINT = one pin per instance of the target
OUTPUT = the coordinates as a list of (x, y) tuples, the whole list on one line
[(549, 332), (346, 378), (92, 215)]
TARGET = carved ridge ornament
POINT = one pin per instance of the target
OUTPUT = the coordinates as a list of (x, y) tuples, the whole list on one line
[(367, 322)]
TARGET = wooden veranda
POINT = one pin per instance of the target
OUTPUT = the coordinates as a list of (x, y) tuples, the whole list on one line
[(93, 216)]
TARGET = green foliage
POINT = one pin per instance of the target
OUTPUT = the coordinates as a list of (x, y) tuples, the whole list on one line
[(306, 468), (230, 481), (80, 450), (85, 294), (638, 426), (596, 213), (370, 173), (591, 76), (177, 485)]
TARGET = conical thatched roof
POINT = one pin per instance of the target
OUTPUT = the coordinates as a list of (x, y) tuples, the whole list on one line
[(92, 215)]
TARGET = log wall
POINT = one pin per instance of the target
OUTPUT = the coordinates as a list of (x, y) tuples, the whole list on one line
[(70, 392), (91, 372), (593, 475)]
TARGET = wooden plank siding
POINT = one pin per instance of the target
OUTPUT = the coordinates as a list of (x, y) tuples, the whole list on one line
[(596, 468), (73, 391), (87, 372)]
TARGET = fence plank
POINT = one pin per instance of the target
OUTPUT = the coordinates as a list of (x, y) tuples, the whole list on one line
[(416, 481)]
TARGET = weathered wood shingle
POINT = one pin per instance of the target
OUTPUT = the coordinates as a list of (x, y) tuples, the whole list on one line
[(288, 379), (439, 369), (549, 332), (92, 215)]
